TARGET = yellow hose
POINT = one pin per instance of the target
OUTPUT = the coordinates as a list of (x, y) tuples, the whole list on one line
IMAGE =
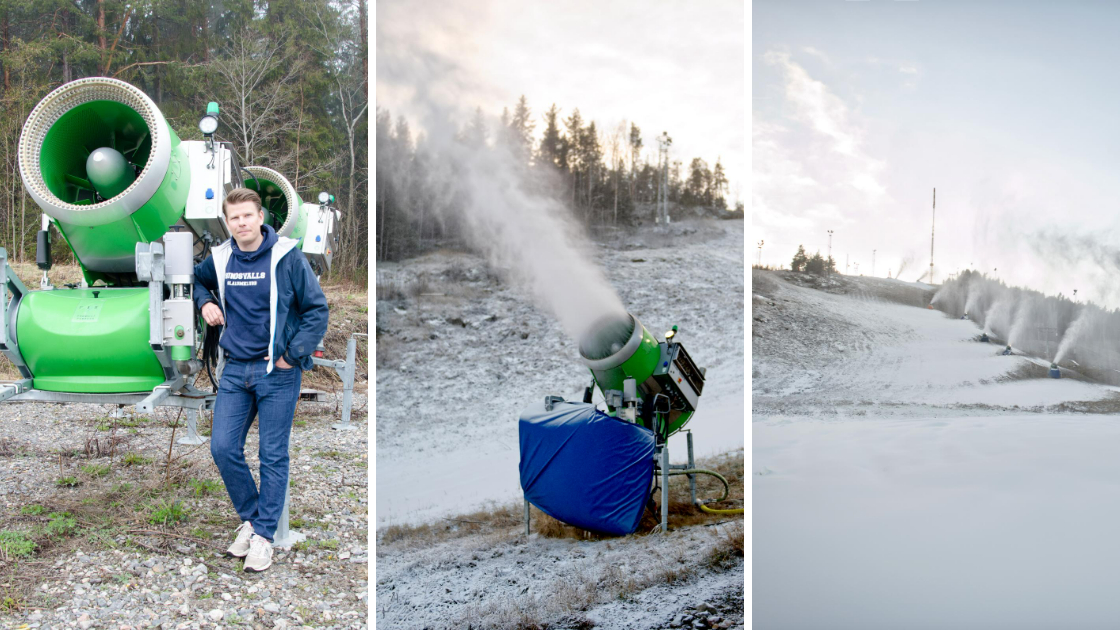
[(726, 489)]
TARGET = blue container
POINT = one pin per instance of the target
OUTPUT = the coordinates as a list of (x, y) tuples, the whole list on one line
[(1055, 372), (585, 468)]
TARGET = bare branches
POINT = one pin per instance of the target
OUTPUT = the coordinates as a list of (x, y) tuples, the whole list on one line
[(258, 75)]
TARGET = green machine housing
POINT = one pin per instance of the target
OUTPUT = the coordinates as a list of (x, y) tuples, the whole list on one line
[(656, 384)]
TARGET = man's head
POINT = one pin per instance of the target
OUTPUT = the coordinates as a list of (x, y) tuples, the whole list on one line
[(244, 216)]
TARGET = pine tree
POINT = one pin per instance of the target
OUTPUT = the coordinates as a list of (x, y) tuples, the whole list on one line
[(521, 127), (550, 147), (815, 265), (799, 259)]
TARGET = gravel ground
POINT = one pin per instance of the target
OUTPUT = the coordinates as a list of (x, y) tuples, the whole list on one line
[(112, 567)]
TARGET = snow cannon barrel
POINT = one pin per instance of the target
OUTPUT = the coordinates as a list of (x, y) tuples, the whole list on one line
[(655, 384), (283, 209), (102, 162)]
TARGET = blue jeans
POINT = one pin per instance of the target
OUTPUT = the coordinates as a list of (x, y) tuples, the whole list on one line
[(245, 392)]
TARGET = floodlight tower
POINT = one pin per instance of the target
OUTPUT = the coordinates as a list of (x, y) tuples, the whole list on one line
[(933, 225), (663, 144), (827, 266)]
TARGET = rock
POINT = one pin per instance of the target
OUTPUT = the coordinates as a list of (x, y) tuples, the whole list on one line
[(704, 607), (678, 621), (280, 623), (216, 614), (271, 607), (159, 568), (84, 622)]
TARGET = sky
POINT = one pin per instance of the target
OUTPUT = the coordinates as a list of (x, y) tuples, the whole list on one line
[(1010, 109), (665, 66)]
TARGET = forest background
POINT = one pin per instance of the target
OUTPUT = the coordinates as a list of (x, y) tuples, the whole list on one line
[(290, 77)]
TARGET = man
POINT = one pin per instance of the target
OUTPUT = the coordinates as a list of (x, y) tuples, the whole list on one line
[(262, 289)]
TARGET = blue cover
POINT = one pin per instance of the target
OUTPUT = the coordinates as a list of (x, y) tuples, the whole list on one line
[(585, 468)]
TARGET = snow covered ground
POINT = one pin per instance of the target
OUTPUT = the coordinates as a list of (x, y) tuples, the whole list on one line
[(459, 360), (459, 355), (907, 476)]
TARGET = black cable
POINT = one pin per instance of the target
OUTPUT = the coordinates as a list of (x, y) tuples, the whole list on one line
[(210, 351)]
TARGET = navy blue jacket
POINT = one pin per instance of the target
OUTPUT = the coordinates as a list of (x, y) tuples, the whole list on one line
[(298, 308)]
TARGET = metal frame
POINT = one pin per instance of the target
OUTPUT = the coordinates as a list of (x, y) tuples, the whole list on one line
[(346, 370)]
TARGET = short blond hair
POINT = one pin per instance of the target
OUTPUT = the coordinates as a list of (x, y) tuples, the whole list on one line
[(241, 195)]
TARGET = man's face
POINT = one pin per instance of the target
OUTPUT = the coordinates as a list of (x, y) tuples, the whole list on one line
[(244, 221)]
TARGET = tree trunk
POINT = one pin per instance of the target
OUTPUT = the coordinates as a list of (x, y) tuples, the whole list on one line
[(4, 47), (365, 48), (618, 168), (205, 35), (158, 70), (299, 130), (101, 27)]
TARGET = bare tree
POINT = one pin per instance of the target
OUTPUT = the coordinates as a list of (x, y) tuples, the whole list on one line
[(258, 74), (344, 44)]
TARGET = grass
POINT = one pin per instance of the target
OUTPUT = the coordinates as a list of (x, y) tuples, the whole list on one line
[(203, 487), (96, 470), (728, 552), (16, 544), (166, 512), (32, 510), (67, 482), (61, 524), (135, 459)]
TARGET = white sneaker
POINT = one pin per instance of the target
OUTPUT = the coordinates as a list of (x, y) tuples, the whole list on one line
[(260, 554), (240, 546)]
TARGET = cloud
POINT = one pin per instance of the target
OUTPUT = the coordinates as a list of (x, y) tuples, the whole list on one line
[(812, 169), (809, 50)]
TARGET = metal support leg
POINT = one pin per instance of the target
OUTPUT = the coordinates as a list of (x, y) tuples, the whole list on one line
[(665, 488), (691, 466), (192, 436), (284, 538), (348, 385), (526, 517)]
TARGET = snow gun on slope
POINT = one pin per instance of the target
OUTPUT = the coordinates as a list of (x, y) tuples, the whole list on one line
[(595, 469), (138, 207)]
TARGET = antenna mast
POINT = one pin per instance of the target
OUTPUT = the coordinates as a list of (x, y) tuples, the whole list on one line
[(931, 232)]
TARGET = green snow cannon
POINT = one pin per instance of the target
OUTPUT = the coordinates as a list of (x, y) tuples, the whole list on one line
[(312, 225), (136, 205), (101, 161), (283, 209), (655, 383)]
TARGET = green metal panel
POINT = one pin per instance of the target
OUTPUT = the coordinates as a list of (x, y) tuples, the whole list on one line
[(110, 246), (300, 229), (74, 342), (639, 366)]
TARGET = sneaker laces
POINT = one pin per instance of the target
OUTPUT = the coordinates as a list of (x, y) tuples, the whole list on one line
[(258, 545), (242, 526)]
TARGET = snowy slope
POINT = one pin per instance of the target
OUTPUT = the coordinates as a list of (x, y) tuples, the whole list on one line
[(460, 354), (907, 476)]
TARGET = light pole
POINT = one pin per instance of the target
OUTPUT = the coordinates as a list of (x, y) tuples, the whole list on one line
[(873, 262), (760, 253), (827, 265)]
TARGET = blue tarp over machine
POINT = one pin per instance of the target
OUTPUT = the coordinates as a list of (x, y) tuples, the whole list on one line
[(583, 467)]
